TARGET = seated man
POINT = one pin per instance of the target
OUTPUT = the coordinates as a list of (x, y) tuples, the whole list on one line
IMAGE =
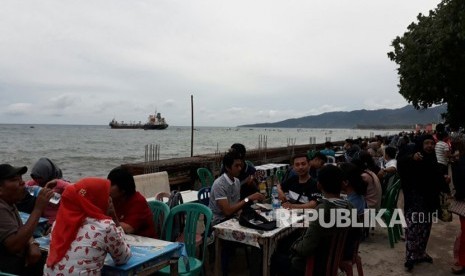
[(246, 175), (19, 253), (225, 192), (316, 239), (328, 150), (299, 191), (225, 201), (131, 208), (317, 162), (389, 168)]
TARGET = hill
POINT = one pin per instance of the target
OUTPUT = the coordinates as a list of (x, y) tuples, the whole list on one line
[(405, 117)]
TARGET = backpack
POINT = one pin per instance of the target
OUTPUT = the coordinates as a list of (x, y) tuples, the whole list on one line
[(175, 199)]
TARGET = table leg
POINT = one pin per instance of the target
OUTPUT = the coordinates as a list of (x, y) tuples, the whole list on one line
[(266, 252), (174, 267), (218, 249)]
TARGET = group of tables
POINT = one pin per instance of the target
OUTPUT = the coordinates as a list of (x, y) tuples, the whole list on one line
[(150, 255)]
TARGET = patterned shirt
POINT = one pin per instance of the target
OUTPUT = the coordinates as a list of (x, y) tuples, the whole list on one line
[(87, 252)]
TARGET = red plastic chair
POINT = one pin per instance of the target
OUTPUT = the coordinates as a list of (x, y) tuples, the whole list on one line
[(347, 265), (334, 257)]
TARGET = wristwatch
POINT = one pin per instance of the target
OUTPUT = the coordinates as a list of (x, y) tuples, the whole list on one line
[(246, 200)]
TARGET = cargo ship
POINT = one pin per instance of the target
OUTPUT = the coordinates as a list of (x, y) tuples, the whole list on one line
[(153, 122)]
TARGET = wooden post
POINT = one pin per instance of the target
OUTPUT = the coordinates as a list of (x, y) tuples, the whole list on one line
[(192, 125)]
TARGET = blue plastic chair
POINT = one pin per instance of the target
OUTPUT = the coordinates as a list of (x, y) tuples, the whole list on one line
[(192, 213), (160, 211), (204, 196), (205, 176)]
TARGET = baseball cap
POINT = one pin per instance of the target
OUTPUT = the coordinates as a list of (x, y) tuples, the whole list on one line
[(7, 171)]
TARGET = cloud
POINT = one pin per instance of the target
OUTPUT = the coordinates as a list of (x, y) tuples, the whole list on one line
[(244, 61), (18, 109)]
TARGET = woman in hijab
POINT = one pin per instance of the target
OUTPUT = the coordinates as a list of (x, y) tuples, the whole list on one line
[(83, 233), (44, 171), (422, 182)]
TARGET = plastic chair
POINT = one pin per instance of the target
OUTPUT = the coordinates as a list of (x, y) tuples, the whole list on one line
[(280, 174), (336, 249), (161, 196), (389, 204), (205, 176), (347, 265), (160, 213), (192, 212), (249, 163), (330, 159), (204, 196), (353, 239)]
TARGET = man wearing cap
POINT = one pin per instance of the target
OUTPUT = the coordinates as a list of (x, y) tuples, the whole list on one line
[(19, 253)]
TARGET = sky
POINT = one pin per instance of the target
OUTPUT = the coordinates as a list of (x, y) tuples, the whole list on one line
[(244, 62)]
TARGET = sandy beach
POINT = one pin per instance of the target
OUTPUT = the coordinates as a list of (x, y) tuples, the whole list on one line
[(379, 259)]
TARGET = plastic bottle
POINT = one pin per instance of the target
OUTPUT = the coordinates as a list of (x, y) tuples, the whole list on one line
[(34, 191), (275, 202)]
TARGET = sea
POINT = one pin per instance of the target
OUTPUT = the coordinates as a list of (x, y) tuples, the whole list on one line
[(93, 150)]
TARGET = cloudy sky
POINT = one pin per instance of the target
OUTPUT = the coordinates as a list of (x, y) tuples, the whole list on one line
[(87, 62)]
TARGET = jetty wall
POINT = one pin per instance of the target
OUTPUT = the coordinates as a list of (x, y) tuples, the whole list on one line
[(182, 171)]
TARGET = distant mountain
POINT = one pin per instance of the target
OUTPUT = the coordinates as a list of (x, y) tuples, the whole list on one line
[(405, 117)]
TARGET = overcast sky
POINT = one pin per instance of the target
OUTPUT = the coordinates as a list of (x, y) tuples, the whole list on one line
[(87, 62)]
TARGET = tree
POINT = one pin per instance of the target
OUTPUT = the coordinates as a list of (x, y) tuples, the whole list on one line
[(431, 59)]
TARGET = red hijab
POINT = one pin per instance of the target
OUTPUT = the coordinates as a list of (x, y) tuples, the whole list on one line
[(88, 198)]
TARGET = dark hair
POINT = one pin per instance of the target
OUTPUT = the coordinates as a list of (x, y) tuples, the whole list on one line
[(364, 161), (229, 158), (299, 155), (330, 179), (123, 179), (353, 175), (240, 149), (391, 152), (320, 156), (328, 144)]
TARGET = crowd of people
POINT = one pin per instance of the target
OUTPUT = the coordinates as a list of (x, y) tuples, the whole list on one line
[(94, 214)]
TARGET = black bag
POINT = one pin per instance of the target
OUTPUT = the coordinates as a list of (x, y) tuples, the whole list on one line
[(179, 222), (251, 219)]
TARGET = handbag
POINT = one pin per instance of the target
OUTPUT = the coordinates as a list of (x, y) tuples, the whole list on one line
[(251, 219), (457, 207), (444, 213)]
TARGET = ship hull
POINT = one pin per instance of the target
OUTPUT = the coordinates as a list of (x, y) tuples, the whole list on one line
[(146, 126)]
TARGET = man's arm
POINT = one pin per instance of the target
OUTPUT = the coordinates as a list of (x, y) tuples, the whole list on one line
[(16, 242), (229, 210), (309, 205)]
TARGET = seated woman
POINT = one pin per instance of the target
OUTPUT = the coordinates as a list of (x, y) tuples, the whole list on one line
[(83, 233), (44, 171), (131, 208)]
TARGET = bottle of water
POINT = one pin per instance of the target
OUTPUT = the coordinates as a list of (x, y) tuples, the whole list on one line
[(275, 202), (34, 191)]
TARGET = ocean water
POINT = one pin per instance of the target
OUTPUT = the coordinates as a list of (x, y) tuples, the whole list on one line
[(85, 150)]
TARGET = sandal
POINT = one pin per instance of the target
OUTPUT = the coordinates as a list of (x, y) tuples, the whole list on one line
[(457, 270)]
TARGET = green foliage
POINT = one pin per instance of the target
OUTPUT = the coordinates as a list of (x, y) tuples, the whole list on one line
[(431, 59)]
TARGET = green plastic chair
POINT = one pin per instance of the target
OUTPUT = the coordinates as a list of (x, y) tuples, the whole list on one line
[(390, 203), (280, 174), (160, 211), (192, 213), (249, 163), (205, 176)]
